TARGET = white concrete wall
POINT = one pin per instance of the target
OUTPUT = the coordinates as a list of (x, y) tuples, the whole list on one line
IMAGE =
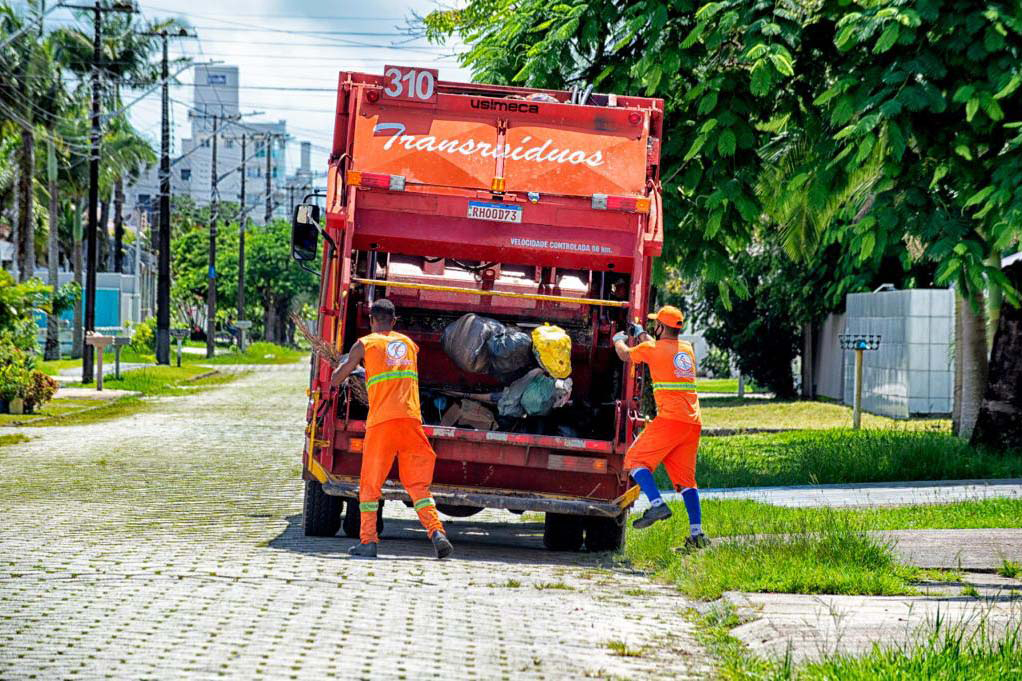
[(911, 373)]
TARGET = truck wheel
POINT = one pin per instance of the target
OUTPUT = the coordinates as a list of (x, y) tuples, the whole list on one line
[(605, 534), (562, 532), (353, 519), (321, 516)]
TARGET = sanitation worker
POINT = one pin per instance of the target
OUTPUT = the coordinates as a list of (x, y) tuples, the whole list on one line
[(673, 436), (394, 428)]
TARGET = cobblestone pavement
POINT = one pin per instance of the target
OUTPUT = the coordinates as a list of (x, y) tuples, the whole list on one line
[(168, 545)]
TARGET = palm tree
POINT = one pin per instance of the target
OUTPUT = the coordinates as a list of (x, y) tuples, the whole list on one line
[(129, 155), (20, 71), (52, 103), (128, 47)]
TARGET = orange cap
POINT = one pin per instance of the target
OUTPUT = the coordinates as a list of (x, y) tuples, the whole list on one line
[(670, 316)]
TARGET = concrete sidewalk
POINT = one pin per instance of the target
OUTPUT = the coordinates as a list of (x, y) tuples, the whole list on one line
[(74, 374), (974, 549), (865, 494)]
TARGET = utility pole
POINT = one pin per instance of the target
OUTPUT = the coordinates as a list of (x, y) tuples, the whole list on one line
[(93, 228), (91, 242), (243, 218), (163, 238), (214, 199), (269, 170)]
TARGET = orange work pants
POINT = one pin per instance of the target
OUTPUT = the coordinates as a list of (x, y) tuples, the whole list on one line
[(405, 439), (673, 443)]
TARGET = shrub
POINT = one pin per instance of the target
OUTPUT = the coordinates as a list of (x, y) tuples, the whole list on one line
[(40, 389), (15, 366), (143, 341), (14, 381)]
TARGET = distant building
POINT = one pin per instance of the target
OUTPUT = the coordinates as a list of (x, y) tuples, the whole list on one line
[(215, 95)]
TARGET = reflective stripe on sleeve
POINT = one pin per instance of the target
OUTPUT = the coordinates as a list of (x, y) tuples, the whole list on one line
[(369, 506), (423, 503)]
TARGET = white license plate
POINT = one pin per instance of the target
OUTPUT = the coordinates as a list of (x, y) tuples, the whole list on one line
[(497, 212)]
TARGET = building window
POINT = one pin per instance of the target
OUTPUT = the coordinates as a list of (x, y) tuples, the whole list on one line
[(274, 171), (253, 172), (229, 143), (186, 174)]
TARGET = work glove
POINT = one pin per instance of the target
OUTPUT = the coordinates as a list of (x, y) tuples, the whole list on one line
[(636, 330), (620, 336)]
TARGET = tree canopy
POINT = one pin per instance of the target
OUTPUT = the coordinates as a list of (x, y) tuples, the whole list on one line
[(893, 124)]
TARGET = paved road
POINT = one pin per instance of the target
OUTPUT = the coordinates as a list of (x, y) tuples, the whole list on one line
[(865, 494), (168, 545)]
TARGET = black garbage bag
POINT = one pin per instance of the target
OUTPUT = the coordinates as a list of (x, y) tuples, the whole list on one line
[(356, 382), (510, 353), (465, 342)]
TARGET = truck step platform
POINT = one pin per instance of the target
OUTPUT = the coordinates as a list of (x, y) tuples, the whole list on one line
[(495, 498)]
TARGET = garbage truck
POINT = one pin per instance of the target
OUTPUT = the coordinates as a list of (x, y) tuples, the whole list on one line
[(528, 208)]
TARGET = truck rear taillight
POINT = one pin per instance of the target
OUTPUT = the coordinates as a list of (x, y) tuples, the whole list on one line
[(376, 180), (622, 203)]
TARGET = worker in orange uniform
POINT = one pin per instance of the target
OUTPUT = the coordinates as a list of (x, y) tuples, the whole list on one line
[(394, 428), (673, 436)]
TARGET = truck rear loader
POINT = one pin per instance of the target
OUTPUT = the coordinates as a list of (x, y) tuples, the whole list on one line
[(521, 205)]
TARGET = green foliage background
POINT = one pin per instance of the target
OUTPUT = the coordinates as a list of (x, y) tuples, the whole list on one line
[(869, 140)]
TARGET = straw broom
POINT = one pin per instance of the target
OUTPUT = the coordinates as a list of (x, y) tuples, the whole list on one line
[(334, 357)]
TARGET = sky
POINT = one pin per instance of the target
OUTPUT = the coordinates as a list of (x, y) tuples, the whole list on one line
[(288, 53)]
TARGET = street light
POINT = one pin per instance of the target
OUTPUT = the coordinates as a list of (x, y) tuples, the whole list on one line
[(860, 343)]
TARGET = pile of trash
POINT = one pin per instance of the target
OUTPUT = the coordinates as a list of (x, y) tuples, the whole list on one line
[(534, 367)]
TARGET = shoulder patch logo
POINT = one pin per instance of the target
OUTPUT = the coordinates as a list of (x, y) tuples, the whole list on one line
[(396, 350), (683, 364)]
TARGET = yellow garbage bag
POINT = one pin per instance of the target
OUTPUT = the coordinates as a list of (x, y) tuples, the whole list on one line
[(552, 346)]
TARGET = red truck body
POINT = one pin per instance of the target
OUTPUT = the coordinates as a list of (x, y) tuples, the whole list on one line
[(514, 204)]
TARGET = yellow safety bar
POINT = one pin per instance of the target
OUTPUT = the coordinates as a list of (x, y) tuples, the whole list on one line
[(496, 294)]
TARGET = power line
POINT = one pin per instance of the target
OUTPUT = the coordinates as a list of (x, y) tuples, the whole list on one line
[(366, 34)]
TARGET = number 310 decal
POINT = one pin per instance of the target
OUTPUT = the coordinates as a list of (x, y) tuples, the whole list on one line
[(402, 82)]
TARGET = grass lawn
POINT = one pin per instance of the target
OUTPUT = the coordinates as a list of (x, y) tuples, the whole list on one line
[(732, 412), (164, 380), (13, 439), (256, 353), (56, 408), (945, 652), (725, 385), (804, 550), (150, 382), (809, 457)]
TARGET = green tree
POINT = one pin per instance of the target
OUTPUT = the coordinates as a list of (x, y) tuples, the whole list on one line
[(894, 123), (276, 284), (25, 80)]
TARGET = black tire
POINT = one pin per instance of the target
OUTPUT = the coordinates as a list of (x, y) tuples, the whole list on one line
[(353, 519), (562, 532), (605, 534), (321, 515)]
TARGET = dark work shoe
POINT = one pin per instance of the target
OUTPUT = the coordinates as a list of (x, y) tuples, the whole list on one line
[(363, 550), (696, 541), (442, 545), (652, 514)]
